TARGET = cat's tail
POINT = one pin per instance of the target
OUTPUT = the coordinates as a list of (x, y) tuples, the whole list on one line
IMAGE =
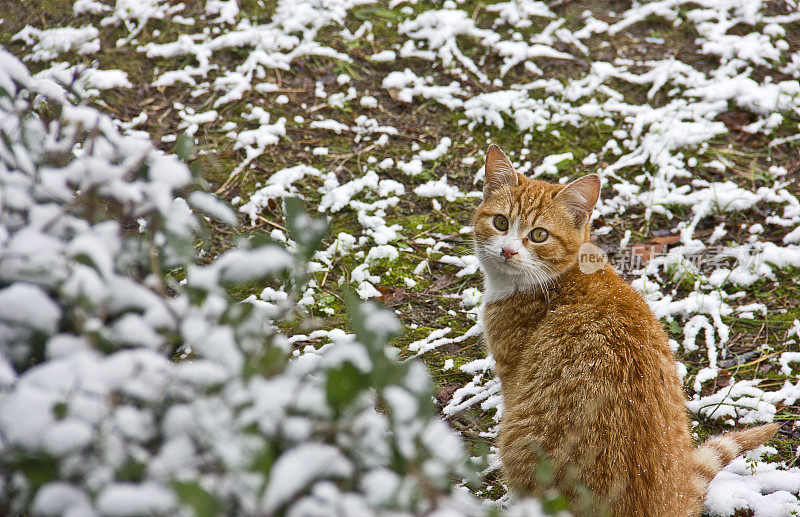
[(716, 452)]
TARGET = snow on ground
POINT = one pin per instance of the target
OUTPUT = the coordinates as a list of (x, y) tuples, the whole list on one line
[(664, 119)]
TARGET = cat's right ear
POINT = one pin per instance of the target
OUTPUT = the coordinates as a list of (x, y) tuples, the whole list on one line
[(499, 171)]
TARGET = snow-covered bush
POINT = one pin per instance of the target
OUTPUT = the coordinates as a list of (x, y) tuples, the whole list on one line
[(132, 383)]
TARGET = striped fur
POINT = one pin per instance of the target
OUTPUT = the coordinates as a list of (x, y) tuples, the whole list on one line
[(715, 453)]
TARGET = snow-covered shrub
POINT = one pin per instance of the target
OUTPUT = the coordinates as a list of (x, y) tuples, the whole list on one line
[(101, 294)]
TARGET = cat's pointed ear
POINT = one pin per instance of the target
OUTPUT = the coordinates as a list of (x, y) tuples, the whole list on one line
[(499, 171), (580, 196)]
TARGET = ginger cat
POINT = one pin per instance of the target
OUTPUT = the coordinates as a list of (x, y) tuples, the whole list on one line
[(588, 380)]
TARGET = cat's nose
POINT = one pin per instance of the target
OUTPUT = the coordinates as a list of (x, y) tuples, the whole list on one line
[(508, 253)]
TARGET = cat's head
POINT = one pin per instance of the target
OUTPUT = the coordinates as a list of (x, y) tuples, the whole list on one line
[(528, 232)]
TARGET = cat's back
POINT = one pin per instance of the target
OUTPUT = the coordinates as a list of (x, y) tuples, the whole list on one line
[(584, 316), (590, 376), (601, 305), (597, 344)]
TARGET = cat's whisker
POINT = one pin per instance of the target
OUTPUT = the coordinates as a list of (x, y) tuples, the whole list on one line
[(544, 285), (538, 282)]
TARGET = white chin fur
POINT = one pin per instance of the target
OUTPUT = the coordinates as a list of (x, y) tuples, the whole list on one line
[(501, 281)]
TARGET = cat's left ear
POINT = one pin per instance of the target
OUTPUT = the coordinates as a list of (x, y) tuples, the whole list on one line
[(580, 196), (499, 171)]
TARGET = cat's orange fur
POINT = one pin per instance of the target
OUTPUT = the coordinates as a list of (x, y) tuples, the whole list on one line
[(588, 380)]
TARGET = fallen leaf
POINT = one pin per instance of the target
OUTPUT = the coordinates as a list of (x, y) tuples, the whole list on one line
[(646, 251), (445, 393), (391, 296), (441, 282), (734, 120), (668, 239)]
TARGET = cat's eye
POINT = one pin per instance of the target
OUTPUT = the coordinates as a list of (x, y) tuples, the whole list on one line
[(501, 223), (538, 235)]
